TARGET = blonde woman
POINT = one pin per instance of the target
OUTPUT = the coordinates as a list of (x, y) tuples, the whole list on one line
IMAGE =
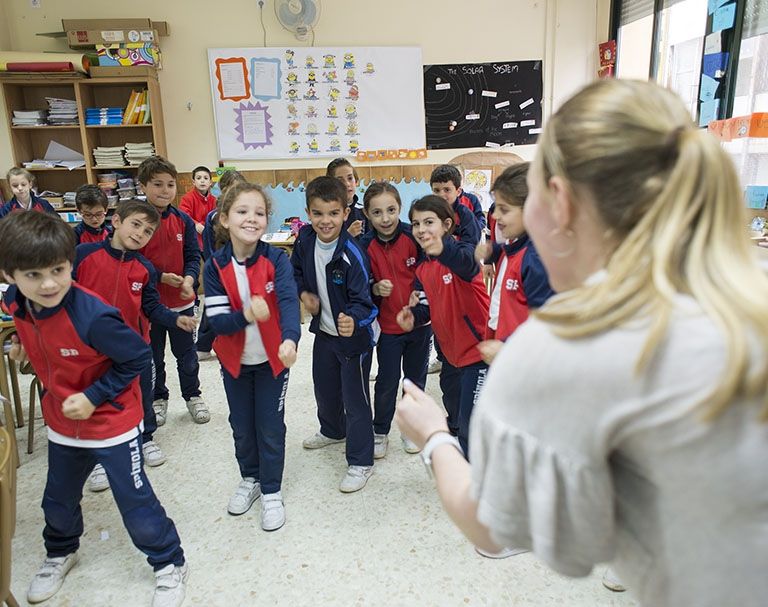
[(626, 420)]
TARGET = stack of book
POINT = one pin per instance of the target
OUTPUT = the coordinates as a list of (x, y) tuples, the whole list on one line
[(103, 115), (61, 111), (108, 157), (136, 153), (29, 118), (137, 110), (69, 199)]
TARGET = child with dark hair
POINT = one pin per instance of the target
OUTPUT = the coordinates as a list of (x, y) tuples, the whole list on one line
[(340, 168), (91, 203), (21, 182), (89, 361), (199, 201), (445, 182), (333, 279)]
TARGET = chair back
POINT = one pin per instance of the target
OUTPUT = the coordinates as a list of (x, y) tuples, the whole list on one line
[(7, 509)]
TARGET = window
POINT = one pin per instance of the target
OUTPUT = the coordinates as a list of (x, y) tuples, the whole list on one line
[(634, 39), (751, 93)]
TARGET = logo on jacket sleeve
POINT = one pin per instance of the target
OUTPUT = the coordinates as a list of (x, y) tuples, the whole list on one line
[(512, 284), (69, 352), (179, 237), (136, 286), (448, 278), (269, 287), (411, 261)]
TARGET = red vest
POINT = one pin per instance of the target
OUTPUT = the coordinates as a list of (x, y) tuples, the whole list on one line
[(513, 304)]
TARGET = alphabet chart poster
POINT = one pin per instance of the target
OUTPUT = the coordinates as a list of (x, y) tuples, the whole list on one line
[(303, 102), (490, 105)]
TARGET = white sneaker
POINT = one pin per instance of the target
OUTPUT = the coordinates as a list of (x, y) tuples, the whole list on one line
[(198, 410), (272, 511), (161, 410), (98, 480), (170, 586), (318, 441), (355, 478), (409, 446), (247, 492), (380, 444), (153, 454), (612, 582), (504, 553), (201, 356), (50, 577), (435, 367)]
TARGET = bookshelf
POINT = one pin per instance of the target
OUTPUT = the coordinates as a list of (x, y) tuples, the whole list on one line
[(31, 142)]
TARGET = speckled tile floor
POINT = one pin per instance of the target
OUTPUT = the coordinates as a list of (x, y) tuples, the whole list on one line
[(387, 544)]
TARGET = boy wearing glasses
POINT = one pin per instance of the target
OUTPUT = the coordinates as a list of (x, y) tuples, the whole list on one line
[(92, 205)]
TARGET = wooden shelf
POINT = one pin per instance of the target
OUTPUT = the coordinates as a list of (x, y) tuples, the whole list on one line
[(46, 127), (115, 167), (118, 126), (43, 170)]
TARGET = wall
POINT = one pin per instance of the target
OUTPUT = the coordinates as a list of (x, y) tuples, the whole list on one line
[(564, 33)]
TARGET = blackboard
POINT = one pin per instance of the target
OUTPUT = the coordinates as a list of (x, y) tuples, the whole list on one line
[(482, 104)]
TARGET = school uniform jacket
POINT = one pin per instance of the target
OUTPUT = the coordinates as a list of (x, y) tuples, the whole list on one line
[(394, 260), (82, 345), (38, 204), (456, 301), (524, 285), (127, 281), (270, 276), (472, 202), (347, 278), (208, 235), (85, 233), (173, 248), (467, 228), (197, 206)]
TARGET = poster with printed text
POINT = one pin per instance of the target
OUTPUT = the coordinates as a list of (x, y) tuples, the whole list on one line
[(302, 102)]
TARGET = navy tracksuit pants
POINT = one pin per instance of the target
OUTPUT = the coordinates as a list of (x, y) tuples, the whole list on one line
[(343, 397), (461, 387), (205, 335), (185, 353), (257, 413), (146, 383), (150, 529), (411, 350)]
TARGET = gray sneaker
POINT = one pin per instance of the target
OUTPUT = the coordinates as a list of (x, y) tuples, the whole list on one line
[(161, 410), (318, 441), (50, 577), (504, 553), (612, 582), (170, 586), (355, 478), (98, 481), (272, 511), (247, 492), (198, 410), (153, 454), (380, 444), (409, 446), (435, 367)]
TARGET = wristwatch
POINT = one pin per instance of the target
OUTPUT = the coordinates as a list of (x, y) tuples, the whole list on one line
[(438, 438)]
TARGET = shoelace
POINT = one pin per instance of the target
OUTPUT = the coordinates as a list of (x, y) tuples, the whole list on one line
[(50, 568)]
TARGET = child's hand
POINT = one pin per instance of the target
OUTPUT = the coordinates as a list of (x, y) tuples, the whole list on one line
[(287, 352), (311, 302), (77, 406), (355, 228), (17, 352), (186, 323), (413, 300), (171, 279), (199, 227), (489, 349), (187, 290), (405, 319), (483, 251), (345, 324), (259, 308), (383, 288)]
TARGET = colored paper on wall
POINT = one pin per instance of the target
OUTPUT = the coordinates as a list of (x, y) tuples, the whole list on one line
[(708, 111), (713, 43), (715, 64), (232, 78), (724, 17), (713, 5), (708, 88), (756, 196)]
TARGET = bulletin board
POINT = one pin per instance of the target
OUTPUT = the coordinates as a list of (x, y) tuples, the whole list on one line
[(490, 105), (305, 102)]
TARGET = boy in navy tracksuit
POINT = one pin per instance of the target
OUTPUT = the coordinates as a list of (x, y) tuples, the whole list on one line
[(24, 199), (356, 222), (92, 205), (445, 182), (333, 280), (393, 253), (89, 360), (175, 254), (126, 280), (253, 307)]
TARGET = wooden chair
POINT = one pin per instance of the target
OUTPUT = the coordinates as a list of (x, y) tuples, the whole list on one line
[(7, 515), (34, 391)]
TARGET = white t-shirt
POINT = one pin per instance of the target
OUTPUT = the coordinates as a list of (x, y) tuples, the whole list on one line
[(493, 311), (323, 255), (254, 352), (579, 458)]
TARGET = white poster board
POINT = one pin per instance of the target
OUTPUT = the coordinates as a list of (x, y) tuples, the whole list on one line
[(305, 102)]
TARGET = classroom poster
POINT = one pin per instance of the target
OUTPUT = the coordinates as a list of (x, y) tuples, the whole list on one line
[(303, 102)]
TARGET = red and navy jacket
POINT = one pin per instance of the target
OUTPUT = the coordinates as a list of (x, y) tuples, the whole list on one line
[(127, 281), (467, 228), (197, 206), (270, 276), (85, 233), (394, 260), (82, 345), (208, 235), (472, 202), (456, 301), (524, 285), (492, 223), (356, 212), (348, 279), (38, 204), (173, 248)]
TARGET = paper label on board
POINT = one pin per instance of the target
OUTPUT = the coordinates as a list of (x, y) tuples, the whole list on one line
[(472, 116), (112, 36), (525, 104), (509, 125), (443, 86), (528, 123), (501, 104), (489, 93)]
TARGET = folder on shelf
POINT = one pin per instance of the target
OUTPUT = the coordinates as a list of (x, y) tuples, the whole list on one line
[(128, 114), (142, 108), (147, 114)]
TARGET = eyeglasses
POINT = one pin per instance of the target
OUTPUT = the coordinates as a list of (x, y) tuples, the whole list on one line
[(99, 215)]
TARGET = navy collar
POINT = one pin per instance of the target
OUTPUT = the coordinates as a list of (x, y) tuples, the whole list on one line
[(118, 253), (395, 236), (93, 230), (25, 305), (510, 248)]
